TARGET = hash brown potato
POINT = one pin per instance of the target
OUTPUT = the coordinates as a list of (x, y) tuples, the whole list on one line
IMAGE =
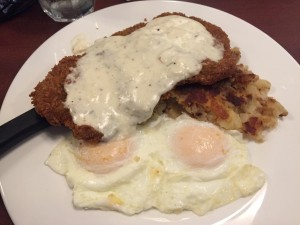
[(240, 102)]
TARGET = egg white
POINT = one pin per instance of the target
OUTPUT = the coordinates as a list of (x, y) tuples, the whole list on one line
[(154, 177)]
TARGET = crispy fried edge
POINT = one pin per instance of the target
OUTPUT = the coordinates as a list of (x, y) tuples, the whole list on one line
[(49, 95)]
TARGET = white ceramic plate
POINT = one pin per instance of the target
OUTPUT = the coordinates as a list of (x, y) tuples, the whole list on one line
[(34, 194)]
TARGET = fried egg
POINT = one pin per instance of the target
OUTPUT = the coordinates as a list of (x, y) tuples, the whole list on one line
[(168, 164)]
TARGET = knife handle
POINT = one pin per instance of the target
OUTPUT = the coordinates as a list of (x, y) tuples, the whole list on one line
[(20, 128)]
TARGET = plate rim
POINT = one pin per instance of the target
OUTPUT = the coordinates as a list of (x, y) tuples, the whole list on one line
[(2, 118)]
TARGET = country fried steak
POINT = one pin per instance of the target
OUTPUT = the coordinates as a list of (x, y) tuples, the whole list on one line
[(223, 93)]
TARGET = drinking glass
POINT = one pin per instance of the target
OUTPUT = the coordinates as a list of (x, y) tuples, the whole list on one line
[(67, 10)]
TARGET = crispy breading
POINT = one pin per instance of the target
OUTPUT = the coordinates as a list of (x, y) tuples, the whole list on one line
[(223, 93), (49, 95), (240, 102)]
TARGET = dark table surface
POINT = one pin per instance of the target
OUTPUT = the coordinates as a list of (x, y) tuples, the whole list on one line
[(279, 19)]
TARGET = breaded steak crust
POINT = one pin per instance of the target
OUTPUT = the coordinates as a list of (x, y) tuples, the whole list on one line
[(49, 96), (217, 94)]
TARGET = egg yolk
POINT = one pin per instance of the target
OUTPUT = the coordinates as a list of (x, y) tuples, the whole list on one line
[(200, 146), (103, 157)]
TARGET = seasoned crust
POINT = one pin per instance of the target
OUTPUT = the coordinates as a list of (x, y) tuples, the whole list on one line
[(49, 95)]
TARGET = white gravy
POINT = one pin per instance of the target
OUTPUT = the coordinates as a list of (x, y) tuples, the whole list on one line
[(120, 79)]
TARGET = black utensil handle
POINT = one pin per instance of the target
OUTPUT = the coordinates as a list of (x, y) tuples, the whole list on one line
[(20, 128)]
